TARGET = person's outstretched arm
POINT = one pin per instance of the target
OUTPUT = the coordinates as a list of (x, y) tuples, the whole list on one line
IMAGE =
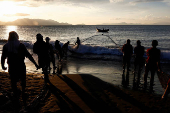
[(3, 57), (33, 61), (29, 56)]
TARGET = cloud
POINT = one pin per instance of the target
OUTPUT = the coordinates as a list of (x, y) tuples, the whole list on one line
[(14, 0), (77, 1), (151, 18), (143, 1), (116, 1), (122, 19), (17, 14), (80, 3)]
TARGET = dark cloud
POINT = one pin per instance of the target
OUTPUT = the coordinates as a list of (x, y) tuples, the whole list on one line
[(17, 14)]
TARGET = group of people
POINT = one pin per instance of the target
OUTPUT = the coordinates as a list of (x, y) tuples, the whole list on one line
[(46, 51), (152, 63), (15, 52)]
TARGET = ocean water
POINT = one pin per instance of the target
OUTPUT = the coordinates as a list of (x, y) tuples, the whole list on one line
[(103, 49)]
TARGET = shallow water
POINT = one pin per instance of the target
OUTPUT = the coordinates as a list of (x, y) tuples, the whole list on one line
[(107, 70)]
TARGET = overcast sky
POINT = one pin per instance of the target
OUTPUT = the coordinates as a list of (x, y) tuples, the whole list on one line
[(89, 12)]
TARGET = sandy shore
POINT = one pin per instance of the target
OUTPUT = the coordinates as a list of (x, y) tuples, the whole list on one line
[(85, 93)]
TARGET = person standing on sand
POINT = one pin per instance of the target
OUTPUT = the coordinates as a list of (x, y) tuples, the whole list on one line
[(152, 63), (15, 52), (139, 59), (127, 50), (40, 48), (58, 50), (51, 54)]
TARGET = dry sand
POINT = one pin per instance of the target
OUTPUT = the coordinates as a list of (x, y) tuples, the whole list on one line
[(80, 93)]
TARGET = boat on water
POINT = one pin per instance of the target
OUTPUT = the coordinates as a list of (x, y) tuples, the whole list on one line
[(102, 30)]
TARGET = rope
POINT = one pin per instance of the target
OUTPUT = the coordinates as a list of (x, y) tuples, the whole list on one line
[(103, 35), (90, 37)]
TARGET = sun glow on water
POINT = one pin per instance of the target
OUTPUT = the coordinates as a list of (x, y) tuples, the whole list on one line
[(11, 28)]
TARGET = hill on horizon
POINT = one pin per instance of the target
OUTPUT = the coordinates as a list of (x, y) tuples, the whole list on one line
[(27, 21)]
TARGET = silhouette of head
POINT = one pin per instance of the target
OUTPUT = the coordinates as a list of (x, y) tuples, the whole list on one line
[(13, 36), (77, 38), (68, 42), (13, 42), (128, 41), (138, 42), (39, 37), (47, 39), (154, 43), (57, 41)]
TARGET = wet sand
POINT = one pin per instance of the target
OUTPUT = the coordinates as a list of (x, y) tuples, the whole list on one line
[(85, 93)]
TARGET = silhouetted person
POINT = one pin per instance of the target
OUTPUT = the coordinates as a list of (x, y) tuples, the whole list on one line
[(152, 63), (51, 54), (40, 48), (15, 52), (58, 50), (127, 50), (77, 42), (139, 59), (65, 49)]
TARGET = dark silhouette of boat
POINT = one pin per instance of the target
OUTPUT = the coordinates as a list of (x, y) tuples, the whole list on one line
[(102, 30)]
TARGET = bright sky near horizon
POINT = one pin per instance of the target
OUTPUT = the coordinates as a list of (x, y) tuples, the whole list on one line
[(89, 12)]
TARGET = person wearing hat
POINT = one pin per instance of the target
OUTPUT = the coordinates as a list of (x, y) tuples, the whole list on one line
[(139, 59), (58, 50), (51, 54), (40, 48), (152, 63)]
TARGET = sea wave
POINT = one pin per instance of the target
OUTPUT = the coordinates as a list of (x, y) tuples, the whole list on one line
[(94, 50)]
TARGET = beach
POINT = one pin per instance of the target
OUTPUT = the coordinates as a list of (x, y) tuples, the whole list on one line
[(82, 93), (75, 90), (90, 80)]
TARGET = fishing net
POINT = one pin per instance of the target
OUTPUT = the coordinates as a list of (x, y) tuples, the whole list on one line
[(101, 40)]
